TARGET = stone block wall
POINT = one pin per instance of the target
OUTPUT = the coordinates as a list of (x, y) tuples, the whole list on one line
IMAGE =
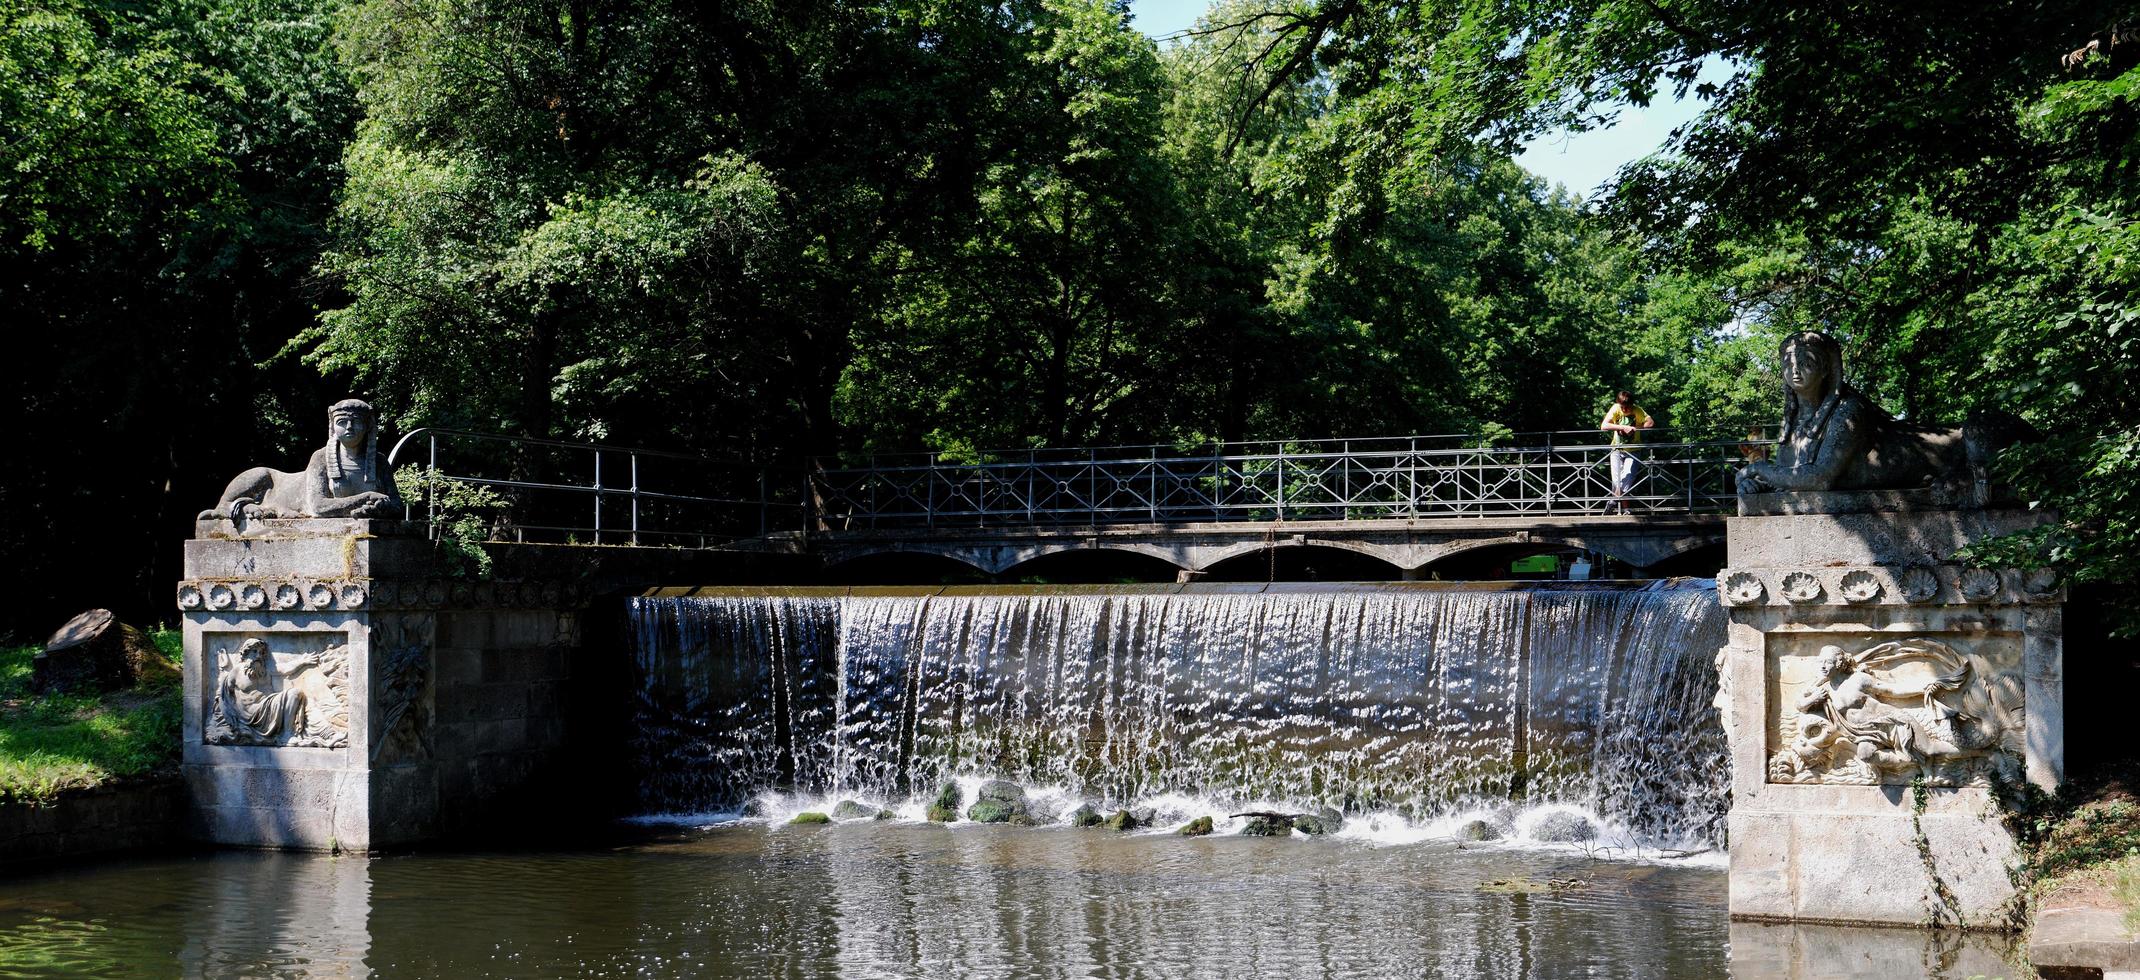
[(340, 695), (130, 816)]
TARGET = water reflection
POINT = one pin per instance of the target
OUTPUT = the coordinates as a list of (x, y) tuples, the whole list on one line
[(906, 900), (1761, 951)]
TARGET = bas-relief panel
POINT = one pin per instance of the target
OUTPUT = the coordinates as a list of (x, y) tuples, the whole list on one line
[(276, 688), (1868, 708)]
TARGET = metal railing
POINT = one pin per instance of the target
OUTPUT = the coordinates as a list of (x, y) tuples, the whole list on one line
[(1403, 478), (636, 497)]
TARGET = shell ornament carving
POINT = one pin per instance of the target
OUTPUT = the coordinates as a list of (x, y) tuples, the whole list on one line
[(1861, 586), (1741, 588), (288, 596), (251, 596), (1919, 585), (319, 596), (1979, 584), (189, 597), (2041, 583), (221, 597), (1801, 587), (353, 596)]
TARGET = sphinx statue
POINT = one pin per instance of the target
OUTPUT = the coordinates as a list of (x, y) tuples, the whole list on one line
[(342, 479), (1836, 439)]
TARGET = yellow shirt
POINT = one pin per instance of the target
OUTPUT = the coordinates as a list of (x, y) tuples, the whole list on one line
[(1631, 415)]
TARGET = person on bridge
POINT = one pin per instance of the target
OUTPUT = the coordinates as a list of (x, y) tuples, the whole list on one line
[(1625, 420)]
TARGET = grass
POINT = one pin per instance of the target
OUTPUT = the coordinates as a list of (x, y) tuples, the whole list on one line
[(52, 744)]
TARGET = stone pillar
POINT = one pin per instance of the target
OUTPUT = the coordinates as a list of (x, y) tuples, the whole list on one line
[(306, 698), (1865, 662)]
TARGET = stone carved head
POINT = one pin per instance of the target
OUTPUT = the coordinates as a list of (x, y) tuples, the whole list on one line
[(1812, 366), (354, 425)]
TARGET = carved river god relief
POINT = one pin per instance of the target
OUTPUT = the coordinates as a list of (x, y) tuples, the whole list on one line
[(277, 689)]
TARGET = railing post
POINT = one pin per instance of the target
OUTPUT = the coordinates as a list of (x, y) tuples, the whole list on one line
[(635, 499), (1092, 487), (1549, 473), (1151, 496), (431, 489), (1411, 466), (1281, 482), (598, 496)]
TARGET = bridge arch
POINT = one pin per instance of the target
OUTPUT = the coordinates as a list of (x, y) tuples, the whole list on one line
[(1317, 561), (1095, 565), (903, 566)]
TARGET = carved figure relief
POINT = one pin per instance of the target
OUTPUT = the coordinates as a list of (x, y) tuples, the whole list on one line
[(290, 699), (1835, 438), (404, 715), (1900, 709), (342, 479)]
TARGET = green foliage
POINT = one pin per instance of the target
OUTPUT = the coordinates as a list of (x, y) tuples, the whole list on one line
[(50, 744), (463, 517), (2095, 833)]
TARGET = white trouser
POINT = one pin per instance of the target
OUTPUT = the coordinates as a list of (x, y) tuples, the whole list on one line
[(1623, 472)]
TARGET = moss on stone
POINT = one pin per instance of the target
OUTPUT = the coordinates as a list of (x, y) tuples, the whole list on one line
[(1086, 816), (810, 817), (1270, 825), (1120, 820), (1196, 828), (992, 811), (939, 813)]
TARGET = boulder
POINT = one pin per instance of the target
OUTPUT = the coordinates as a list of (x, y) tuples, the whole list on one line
[(1267, 825), (853, 810), (1478, 830), (1085, 816), (1001, 791), (1327, 821), (810, 817), (993, 811), (1145, 816), (1196, 828), (1121, 820), (945, 808), (1562, 827), (92, 653)]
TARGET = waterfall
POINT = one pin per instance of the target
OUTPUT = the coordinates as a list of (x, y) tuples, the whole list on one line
[(1418, 701)]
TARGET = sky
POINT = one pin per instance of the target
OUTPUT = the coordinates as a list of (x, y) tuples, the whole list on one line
[(1579, 163)]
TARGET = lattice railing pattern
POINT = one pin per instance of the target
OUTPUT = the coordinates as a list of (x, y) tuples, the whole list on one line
[(1355, 480)]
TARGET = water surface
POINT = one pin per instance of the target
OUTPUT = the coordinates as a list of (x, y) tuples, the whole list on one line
[(912, 900)]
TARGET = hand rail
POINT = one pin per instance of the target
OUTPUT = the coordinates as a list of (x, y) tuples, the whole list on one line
[(668, 513)]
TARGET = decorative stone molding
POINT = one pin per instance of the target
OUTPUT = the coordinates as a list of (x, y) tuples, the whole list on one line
[(293, 595), (1861, 586), (1802, 587), (1880, 585), (297, 696)]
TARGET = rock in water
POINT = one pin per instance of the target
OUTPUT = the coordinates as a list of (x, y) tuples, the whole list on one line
[(1196, 828), (993, 811), (1563, 828), (1121, 820), (1328, 821), (1086, 816), (810, 817), (945, 808), (852, 810), (93, 652), (1478, 830), (1001, 791), (1267, 825)]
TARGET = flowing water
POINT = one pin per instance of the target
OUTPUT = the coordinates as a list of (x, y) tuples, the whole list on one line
[(1407, 706), (1415, 711)]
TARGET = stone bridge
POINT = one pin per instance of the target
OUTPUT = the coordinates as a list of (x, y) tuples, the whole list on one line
[(1411, 548)]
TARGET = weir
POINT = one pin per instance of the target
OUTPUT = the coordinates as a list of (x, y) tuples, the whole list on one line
[(1423, 701)]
